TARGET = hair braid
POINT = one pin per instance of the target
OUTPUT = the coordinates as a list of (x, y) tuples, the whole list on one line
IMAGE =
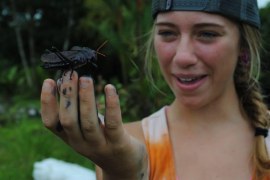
[(249, 92)]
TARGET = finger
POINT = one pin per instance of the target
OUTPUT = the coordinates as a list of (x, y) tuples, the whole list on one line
[(113, 121), (49, 106), (59, 82), (88, 112), (69, 106)]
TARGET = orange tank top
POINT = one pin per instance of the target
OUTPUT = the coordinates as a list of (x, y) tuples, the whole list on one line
[(161, 164), (159, 147)]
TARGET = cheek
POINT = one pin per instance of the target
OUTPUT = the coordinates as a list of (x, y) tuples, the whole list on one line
[(222, 55), (164, 52)]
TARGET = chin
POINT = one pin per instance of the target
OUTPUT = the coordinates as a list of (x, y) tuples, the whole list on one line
[(190, 103)]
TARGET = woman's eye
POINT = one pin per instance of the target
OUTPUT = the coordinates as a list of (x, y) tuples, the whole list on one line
[(207, 35), (166, 33)]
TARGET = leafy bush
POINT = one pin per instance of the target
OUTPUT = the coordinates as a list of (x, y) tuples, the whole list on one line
[(27, 142)]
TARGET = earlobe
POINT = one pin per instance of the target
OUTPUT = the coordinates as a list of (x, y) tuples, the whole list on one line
[(244, 56)]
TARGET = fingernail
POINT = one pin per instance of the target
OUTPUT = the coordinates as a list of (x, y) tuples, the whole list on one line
[(111, 90), (67, 76), (59, 81), (84, 82), (46, 87)]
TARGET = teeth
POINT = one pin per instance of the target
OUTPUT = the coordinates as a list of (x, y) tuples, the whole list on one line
[(187, 79)]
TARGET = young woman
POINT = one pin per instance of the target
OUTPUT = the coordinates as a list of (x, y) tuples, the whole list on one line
[(208, 52)]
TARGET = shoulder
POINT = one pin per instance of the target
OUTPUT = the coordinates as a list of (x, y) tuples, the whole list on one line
[(135, 128)]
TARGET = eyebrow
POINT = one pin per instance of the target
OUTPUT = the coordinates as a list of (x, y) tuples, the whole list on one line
[(165, 24), (209, 25)]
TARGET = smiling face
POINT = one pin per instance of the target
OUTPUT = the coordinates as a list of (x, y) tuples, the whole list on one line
[(197, 53)]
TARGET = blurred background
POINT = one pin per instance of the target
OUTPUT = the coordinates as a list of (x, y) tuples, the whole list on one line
[(27, 28)]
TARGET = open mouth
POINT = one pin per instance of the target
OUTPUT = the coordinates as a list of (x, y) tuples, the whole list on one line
[(190, 80)]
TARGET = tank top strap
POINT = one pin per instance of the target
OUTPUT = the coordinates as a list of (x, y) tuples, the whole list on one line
[(159, 147)]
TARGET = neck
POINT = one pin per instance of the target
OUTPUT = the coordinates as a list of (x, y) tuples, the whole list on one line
[(222, 110)]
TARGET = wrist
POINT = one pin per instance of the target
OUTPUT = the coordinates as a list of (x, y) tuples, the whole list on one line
[(138, 171), (142, 174)]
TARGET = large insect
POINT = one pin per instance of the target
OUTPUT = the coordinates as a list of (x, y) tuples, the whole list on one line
[(72, 59)]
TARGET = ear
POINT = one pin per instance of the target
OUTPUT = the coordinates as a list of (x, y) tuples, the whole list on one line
[(244, 56)]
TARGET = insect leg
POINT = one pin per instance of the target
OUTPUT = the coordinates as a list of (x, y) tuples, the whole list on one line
[(60, 55), (63, 58)]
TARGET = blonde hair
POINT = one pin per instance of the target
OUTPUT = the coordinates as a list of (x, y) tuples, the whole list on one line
[(149, 58), (249, 92), (247, 86)]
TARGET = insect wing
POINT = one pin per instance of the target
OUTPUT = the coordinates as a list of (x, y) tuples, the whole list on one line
[(49, 57), (53, 57)]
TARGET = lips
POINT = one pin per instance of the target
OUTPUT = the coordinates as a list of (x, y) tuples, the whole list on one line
[(191, 82)]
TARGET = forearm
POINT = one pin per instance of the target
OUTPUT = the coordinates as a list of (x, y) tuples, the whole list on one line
[(142, 175)]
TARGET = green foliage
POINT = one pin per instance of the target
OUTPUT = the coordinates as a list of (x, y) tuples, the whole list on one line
[(265, 29), (123, 25), (21, 108), (28, 142)]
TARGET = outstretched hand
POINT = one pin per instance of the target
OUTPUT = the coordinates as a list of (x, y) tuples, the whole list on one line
[(74, 119)]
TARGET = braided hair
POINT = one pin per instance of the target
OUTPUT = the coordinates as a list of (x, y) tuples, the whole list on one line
[(249, 92)]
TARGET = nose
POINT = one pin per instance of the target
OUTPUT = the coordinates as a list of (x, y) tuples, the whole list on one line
[(185, 53)]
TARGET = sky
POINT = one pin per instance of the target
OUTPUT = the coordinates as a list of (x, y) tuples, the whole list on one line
[(262, 3)]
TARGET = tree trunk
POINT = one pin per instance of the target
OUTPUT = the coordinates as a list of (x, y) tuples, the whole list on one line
[(31, 42), (17, 29), (23, 57), (70, 23)]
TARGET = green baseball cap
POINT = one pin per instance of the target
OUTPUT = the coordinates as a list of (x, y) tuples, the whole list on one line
[(246, 11)]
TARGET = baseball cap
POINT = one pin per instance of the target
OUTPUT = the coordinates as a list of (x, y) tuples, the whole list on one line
[(246, 11)]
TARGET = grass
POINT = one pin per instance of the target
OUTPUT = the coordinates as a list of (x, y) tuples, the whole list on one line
[(28, 141)]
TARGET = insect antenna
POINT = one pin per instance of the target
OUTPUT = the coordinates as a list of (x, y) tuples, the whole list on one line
[(97, 51)]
